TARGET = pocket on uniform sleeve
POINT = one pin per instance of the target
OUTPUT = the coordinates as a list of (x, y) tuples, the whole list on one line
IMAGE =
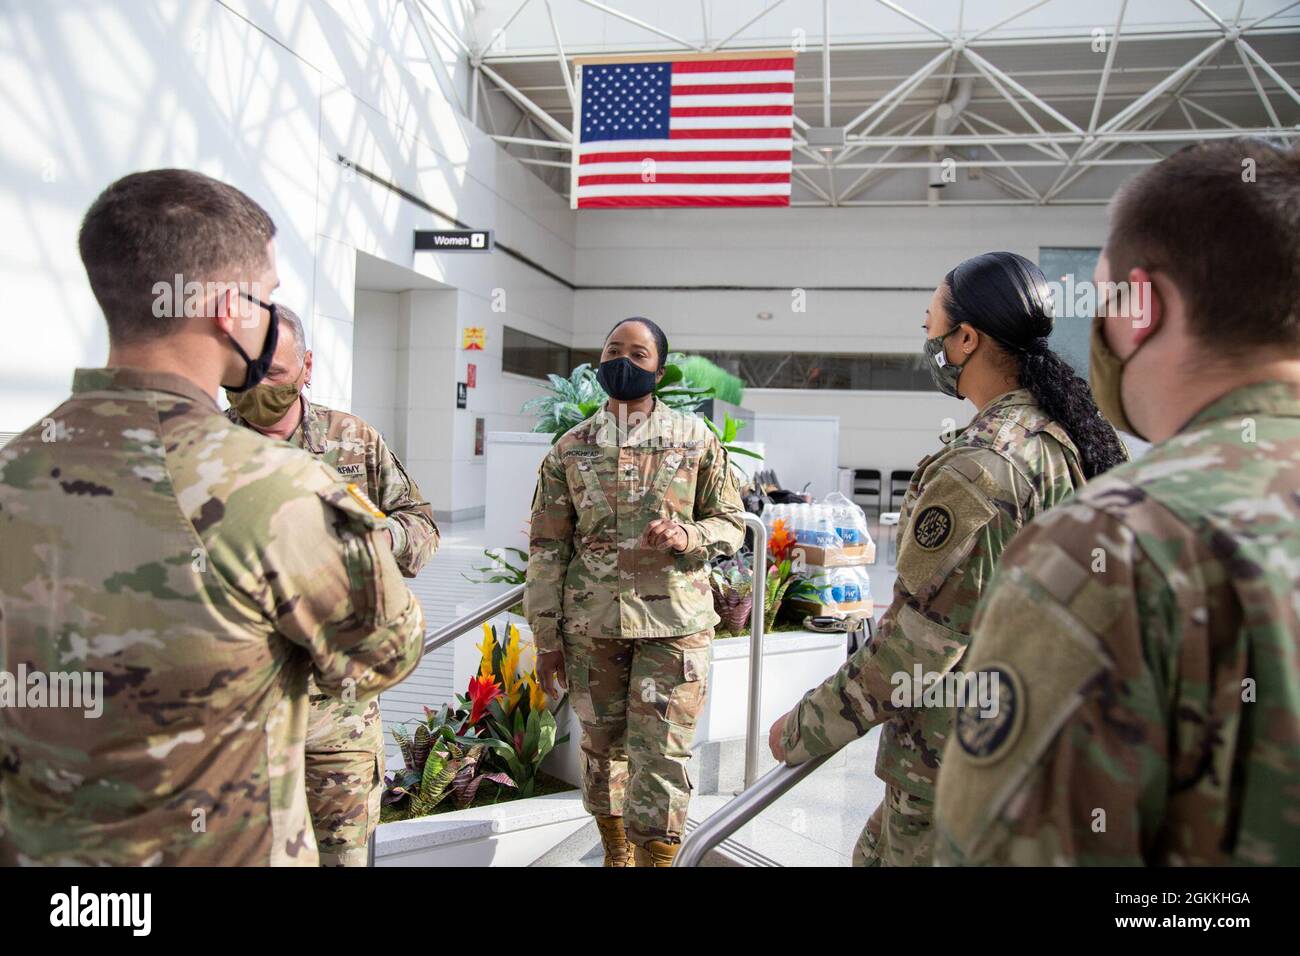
[(918, 640), (943, 526)]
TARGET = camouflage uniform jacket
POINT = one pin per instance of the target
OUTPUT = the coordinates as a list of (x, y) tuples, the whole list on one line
[(358, 452), (1147, 639), (204, 572), (589, 572), (963, 505)]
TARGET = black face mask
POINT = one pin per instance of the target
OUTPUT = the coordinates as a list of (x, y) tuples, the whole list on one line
[(624, 380), (257, 368)]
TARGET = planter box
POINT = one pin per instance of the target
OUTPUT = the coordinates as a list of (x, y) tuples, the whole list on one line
[(508, 834), (793, 663)]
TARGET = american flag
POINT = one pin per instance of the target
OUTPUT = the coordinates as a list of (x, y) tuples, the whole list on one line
[(695, 131)]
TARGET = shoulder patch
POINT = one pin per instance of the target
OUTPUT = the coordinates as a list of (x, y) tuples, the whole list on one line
[(989, 725), (1044, 658), (947, 517), (360, 497), (932, 527)]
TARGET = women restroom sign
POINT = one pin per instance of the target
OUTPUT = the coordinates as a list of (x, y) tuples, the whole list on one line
[(453, 240)]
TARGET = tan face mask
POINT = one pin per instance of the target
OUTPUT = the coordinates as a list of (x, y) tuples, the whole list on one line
[(1106, 370), (263, 405)]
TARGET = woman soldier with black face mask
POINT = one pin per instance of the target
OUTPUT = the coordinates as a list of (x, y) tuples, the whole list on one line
[(629, 508), (1037, 436)]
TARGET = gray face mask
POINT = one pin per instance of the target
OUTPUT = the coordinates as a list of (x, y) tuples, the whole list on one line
[(943, 373)]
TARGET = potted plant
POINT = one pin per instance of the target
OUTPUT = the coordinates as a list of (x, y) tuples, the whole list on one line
[(471, 790), (575, 399), (733, 593), (437, 766), (498, 732), (502, 571), (781, 574)]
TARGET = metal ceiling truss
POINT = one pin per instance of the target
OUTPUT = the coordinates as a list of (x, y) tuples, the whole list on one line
[(1059, 142)]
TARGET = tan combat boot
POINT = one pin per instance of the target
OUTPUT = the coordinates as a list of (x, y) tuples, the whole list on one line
[(656, 853), (614, 839)]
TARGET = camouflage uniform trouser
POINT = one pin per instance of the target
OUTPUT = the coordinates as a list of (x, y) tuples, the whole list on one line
[(345, 774), (637, 701), (899, 833)]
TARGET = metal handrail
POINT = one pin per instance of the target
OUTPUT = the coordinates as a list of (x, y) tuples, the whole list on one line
[(449, 632), (756, 796), (753, 732), (752, 801)]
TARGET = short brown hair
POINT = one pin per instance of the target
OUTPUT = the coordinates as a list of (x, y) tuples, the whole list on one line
[(290, 322), (147, 228), (1222, 219)]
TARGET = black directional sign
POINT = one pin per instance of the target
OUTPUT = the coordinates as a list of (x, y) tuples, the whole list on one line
[(453, 240)]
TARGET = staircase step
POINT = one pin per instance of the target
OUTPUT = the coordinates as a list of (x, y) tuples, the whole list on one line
[(575, 849)]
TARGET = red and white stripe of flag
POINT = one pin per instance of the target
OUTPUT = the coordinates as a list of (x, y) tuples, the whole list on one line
[(730, 139)]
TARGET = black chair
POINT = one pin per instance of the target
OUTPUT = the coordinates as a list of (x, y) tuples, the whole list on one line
[(898, 482), (866, 491)]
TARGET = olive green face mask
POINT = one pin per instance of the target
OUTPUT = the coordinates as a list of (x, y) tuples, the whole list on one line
[(1106, 369), (265, 404)]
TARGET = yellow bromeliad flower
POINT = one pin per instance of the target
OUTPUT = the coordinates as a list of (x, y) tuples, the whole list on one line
[(510, 665), (486, 648), (536, 696)]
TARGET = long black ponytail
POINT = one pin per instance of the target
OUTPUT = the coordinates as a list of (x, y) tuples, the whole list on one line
[(1007, 297)]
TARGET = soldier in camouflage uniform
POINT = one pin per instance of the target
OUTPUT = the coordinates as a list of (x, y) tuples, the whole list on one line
[(345, 738), (630, 506), (1146, 635), (200, 571), (964, 504)]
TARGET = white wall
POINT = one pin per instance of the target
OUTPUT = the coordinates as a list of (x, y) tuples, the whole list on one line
[(265, 96), (375, 357)]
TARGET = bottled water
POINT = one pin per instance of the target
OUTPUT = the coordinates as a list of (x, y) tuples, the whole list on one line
[(838, 589), (824, 528), (850, 585), (864, 583), (848, 519)]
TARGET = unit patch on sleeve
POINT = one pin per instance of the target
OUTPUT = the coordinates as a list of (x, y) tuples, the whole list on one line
[(932, 527)]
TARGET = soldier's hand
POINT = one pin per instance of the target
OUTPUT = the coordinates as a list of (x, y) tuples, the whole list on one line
[(550, 673), (665, 534), (776, 737)]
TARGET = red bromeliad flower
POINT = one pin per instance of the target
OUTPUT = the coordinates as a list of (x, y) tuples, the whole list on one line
[(482, 691), (779, 545)]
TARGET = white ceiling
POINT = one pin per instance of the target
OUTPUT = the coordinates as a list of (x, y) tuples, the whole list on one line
[(1058, 111)]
